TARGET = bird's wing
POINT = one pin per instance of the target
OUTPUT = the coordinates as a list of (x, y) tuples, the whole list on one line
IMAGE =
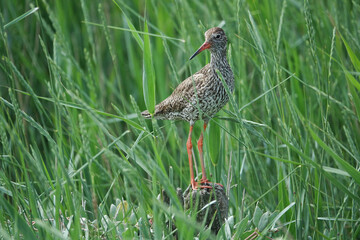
[(182, 94), (187, 87)]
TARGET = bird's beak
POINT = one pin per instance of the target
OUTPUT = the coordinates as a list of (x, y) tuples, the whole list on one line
[(206, 45)]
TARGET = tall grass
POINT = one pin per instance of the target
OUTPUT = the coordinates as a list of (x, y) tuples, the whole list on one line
[(78, 160)]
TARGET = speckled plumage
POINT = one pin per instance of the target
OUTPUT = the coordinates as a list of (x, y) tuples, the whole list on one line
[(201, 95)]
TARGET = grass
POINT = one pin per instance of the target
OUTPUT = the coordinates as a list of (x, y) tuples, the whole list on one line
[(78, 160)]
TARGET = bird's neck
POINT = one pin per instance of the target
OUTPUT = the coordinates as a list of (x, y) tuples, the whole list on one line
[(218, 60)]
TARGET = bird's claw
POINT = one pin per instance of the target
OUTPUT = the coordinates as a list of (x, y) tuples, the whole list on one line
[(204, 183)]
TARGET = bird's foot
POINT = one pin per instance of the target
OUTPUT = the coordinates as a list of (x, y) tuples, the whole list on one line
[(200, 185), (204, 183)]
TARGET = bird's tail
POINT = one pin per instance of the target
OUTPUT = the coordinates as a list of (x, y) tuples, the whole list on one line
[(146, 114)]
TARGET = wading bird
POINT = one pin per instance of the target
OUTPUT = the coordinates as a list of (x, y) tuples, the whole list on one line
[(200, 96)]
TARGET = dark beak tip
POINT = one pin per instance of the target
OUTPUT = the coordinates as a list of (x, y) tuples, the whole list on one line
[(196, 53), (206, 45)]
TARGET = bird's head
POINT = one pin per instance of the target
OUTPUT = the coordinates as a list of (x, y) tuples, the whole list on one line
[(215, 40)]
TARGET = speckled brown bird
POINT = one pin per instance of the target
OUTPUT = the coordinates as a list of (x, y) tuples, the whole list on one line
[(200, 96)]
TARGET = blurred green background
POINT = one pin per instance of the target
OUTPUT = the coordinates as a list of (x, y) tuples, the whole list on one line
[(78, 160)]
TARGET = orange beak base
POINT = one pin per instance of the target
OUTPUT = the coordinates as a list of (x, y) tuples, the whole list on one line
[(206, 45)]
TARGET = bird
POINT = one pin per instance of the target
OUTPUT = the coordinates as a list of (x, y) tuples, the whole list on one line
[(200, 96)]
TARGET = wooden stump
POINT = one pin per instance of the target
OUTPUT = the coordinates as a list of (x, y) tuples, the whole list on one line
[(210, 204)]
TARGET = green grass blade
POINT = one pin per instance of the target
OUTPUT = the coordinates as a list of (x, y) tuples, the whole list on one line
[(355, 174), (148, 74), (18, 19), (355, 61), (281, 214), (352, 80), (20, 223), (214, 143), (51, 230), (134, 32), (331, 178), (353, 83), (31, 120)]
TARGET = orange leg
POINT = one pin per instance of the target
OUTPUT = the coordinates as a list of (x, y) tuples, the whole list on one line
[(189, 151), (194, 184), (200, 147)]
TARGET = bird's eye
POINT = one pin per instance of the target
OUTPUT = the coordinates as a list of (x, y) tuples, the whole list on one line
[(217, 35)]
